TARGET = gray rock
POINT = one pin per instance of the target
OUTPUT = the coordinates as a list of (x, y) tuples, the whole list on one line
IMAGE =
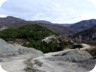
[(12, 50), (70, 61), (72, 56)]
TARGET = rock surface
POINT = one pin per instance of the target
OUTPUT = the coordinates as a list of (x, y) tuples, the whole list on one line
[(13, 57), (72, 56), (13, 50), (66, 61)]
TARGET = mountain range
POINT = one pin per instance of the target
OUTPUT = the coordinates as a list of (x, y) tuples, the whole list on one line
[(59, 28), (10, 21), (86, 36), (47, 37), (83, 25), (84, 29)]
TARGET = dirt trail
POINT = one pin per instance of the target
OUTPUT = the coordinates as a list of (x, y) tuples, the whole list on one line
[(53, 64), (16, 64)]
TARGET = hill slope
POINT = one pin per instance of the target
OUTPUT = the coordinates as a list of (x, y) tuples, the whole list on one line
[(86, 36), (28, 35), (82, 25), (17, 22)]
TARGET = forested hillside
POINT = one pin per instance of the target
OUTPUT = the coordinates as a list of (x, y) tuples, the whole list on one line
[(33, 35)]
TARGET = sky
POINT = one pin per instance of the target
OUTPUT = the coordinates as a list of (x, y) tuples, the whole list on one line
[(56, 11)]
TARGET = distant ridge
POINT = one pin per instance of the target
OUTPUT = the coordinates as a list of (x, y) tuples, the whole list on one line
[(17, 22), (62, 29), (86, 36), (82, 25)]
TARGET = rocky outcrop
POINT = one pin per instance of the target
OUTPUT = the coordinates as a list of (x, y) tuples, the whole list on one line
[(65, 61), (13, 50), (16, 58), (50, 39), (71, 56), (13, 57)]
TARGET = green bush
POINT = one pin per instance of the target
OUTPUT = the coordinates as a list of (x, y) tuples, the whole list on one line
[(50, 47), (29, 32), (32, 33)]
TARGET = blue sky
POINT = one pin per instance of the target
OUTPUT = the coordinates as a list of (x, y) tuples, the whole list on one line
[(56, 11)]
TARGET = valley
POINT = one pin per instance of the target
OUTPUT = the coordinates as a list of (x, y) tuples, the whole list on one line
[(42, 46)]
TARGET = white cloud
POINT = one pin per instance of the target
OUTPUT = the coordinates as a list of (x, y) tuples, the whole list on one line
[(2, 15), (40, 16), (93, 2), (84, 16), (2, 1), (61, 11), (88, 16)]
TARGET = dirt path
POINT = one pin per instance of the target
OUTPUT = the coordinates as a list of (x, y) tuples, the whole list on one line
[(16, 64), (23, 62), (85, 46), (42, 64)]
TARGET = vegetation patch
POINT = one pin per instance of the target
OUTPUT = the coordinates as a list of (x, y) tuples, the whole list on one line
[(31, 36), (30, 33)]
